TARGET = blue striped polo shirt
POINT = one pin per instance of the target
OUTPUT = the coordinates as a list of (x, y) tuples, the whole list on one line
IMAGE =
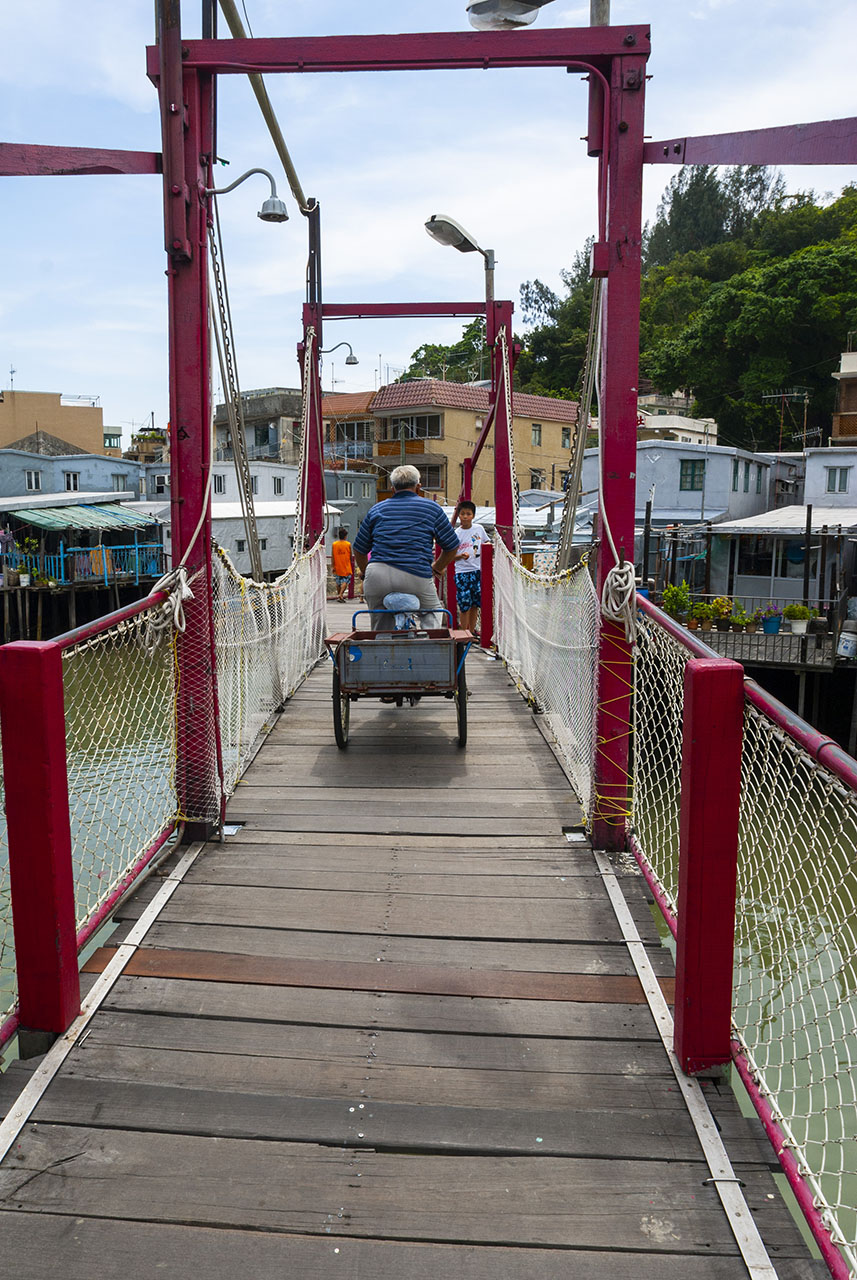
[(401, 531)]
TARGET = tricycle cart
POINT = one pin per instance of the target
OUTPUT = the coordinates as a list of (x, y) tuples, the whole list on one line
[(399, 667)]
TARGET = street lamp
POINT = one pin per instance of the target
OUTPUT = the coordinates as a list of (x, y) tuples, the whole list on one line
[(449, 232), (500, 15), (349, 359), (273, 209)]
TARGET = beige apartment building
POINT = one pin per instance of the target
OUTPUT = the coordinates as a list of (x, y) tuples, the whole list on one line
[(439, 423), (76, 420)]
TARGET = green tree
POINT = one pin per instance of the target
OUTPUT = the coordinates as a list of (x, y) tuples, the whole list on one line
[(467, 360)]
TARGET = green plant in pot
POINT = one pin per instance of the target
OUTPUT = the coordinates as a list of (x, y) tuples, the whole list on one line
[(704, 615), (722, 607), (677, 600), (753, 621), (798, 616), (738, 620)]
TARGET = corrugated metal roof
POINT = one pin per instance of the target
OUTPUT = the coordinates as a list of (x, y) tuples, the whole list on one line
[(84, 517)]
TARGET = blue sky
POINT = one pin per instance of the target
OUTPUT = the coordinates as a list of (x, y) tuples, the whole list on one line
[(83, 303)]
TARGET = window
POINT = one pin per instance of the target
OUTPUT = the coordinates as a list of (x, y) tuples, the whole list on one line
[(537, 434), (367, 490), (421, 426), (162, 483), (734, 475), (263, 544), (536, 479), (692, 474), (72, 481), (34, 479), (432, 477), (758, 477), (112, 442), (120, 484), (220, 484), (278, 486), (837, 479), (566, 437), (348, 489), (254, 484), (746, 477), (261, 436), (239, 544)]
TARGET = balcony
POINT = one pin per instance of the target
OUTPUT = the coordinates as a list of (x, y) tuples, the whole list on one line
[(89, 565), (815, 650)]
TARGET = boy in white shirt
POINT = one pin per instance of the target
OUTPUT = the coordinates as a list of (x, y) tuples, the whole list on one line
[(468, 579)]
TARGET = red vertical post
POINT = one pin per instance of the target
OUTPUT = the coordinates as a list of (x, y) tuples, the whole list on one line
[(32, 717), (499, 324), (486, 615), (467, 480), (708, 860), (187, 127), (451, 597), (618, 429)]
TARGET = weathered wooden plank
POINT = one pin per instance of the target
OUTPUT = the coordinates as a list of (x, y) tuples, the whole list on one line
[(218, 966), (287, 1187), (392, 879), (333, 859), (241, 810), (352, 801), (354, 1047), (439, 916), (294, 769), (392, 1010), (108, 1249), (477, 844), (393, 1126), (292, 944)]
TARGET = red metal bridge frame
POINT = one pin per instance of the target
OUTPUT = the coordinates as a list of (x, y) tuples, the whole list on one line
[(615, 57)]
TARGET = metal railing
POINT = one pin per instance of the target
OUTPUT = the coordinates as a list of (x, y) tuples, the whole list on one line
[(89, 564), (793, 999)]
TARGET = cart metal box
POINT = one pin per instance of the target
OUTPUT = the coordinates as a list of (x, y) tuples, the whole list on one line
[(398, 663)]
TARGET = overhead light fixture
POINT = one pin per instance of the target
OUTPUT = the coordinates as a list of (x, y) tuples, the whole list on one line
[(500, 15), (273, 209), (349, 359), (449, 232)]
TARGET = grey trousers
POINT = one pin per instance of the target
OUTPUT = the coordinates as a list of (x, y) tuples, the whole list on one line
[(380, 579)]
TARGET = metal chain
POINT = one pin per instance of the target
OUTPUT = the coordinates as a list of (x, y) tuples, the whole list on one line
[(507, 395), (234, 404)]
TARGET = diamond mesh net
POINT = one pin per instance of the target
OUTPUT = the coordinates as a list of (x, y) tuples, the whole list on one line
[(546, 631), (795, 985), (267, 638), (121, 749)]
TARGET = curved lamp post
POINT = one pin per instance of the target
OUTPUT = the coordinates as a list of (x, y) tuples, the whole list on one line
[(273, 209), (447, 231)]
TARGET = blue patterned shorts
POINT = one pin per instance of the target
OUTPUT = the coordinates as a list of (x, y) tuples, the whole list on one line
[(468, 590)]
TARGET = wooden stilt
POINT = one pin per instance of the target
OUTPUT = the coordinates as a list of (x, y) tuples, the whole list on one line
[(72, 610), (20, 614), (39, 607), (7, 631)]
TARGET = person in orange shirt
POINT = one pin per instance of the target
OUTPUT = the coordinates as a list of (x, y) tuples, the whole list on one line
[(342, 561)]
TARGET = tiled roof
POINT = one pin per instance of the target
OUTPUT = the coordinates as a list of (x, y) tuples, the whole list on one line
[(427, 392), (346, 405), (42, 442)]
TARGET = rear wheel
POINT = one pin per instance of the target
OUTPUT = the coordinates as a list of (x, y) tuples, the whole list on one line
[(341, 713), (461, 706)]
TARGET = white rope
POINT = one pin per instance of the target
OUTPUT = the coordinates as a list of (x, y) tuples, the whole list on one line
[(618, 595), (170, 616)]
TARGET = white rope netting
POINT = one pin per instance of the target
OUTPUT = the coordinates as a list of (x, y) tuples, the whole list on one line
[(546, 631), (8, 984), (119, 694), (268, 636), (795, 985)]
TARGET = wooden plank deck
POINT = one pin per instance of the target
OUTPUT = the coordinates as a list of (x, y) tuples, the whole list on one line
[(387, 1030)]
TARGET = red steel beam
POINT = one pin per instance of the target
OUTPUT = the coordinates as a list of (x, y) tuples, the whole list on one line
[(374, 310), (19, 159), (823, 142), (425, 51)]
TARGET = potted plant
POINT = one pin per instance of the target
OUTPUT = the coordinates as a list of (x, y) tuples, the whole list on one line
[(722, 608), (704, 615), (817, 623), (772, 617), (753, 621), (738, 620), (798, 616), (677, 600)]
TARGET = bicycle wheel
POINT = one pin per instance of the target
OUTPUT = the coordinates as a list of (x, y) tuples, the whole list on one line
[(341, 713), (461, 706)]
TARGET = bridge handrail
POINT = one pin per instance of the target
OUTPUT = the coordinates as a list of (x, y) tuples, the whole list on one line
[(795, 946)]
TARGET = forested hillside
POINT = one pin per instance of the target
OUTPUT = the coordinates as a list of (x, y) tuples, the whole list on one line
[(746, 291)]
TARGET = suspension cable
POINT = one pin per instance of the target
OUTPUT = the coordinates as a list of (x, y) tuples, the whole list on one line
[(572, 491)]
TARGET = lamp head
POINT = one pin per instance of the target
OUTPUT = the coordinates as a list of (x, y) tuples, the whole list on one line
[(447, 231), (351, 359), (500, 15), (273, 210)]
